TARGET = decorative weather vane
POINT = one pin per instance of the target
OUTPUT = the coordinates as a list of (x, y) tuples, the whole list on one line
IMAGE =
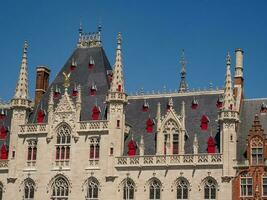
[(66, 79)]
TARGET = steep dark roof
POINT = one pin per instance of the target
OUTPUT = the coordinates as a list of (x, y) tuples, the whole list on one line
[(85, 77), (250, 107), (206, 106)]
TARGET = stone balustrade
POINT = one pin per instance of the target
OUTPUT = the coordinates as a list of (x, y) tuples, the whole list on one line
[(97, 125), (169, 160), (33, 129), (3, 164)]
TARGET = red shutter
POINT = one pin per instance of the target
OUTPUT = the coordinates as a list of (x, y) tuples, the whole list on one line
[(149, 125), (132, 148), (3, 133), (211, 145), (3, 152), (95, 113), (119, 88), (204, 123), (40, 116)]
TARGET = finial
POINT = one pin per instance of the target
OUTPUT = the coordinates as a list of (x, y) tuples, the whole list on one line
[(119, 41), (99, 28), (66, 79), (183, 86), (25, 48), (80, 28), (228, 59)]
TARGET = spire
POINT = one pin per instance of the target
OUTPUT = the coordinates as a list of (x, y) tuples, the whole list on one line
[(22, 90), (183, 114), (183, 85), (142, 146), (228, 89), (158, 116), (117, 84)]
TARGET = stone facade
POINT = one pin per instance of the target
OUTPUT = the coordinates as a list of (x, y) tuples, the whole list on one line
[(129, 147)]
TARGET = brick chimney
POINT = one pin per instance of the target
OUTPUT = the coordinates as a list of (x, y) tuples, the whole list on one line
[(42, 82)]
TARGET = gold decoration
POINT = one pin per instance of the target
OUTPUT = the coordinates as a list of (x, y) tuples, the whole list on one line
[(66, 79)]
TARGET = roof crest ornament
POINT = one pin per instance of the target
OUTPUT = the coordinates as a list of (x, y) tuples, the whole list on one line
[(66, 80), (183, 86), (88, 40)]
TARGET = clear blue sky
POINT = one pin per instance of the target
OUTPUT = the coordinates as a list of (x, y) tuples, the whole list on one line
[(154, 32)]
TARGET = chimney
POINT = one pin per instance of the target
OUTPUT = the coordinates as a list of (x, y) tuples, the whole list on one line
[(239, 67), (42, 82)]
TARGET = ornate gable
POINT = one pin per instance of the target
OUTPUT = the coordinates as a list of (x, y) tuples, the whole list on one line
[(171, 121), (65, 104)]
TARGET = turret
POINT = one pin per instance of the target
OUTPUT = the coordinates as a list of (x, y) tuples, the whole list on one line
[(117, 100), (228, 119), (20, 105)]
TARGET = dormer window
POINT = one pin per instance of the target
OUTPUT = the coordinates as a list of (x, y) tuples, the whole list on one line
[(132, 146), (194, 104), (211, 145), (219, 103), (3, 132), (73, 65), (75, 91), (204, 123), (3, 114), (3, 152), (91, 63), (145, 106), (57, 93), (263, 108), (95, 113), (41, 116), (149, 125), (93, 90), (256, 150)]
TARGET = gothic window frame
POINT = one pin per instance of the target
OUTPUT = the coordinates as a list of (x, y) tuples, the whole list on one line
[(92, 186), (63, 145), (257, 148), (155, 187), (183, 184), (29, 189), (60, 188), (171, 128), (244, 186), (210, 187), (128, 189), (31, 152), (94, 149)]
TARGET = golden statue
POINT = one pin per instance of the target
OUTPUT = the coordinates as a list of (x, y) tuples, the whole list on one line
[(66, 79)]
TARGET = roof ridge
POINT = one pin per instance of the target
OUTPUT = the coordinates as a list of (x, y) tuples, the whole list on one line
[(256, 99)]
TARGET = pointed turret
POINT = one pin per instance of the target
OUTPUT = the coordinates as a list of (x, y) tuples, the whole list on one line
[(117, 84), (183, 85), (195, 145), (142, 146), (228, 88), (22, 90)]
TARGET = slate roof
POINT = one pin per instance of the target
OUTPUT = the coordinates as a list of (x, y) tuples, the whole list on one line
[(250, 107), (85, 77), (206, 106)]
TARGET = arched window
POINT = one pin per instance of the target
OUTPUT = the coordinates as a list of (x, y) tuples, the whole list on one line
[(29, 189), (63, 146), (182, 189), (210, 187), (94, 148), (60, 189), (171, 137), (92, 189), (128, 189), (154, 189)]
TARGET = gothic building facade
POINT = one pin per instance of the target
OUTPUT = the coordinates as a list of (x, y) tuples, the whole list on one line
[(84, 137)]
